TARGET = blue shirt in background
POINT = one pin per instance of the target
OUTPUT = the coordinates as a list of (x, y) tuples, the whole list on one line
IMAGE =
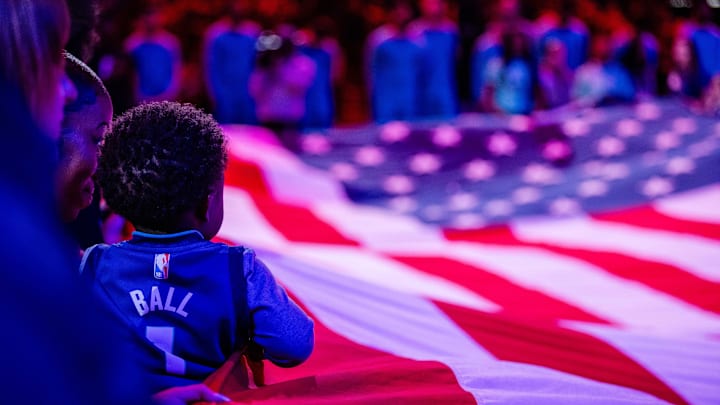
[(230, 61)]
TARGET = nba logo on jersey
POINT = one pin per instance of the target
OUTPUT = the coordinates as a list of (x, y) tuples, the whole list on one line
[(162, 266)]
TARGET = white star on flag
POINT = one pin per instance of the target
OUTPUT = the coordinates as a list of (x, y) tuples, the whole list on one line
[(370, 156), (519, 123), (498, 208), (610, 146), (576, 127), (702, 148), (468, 220), (628, 128), (656, 187), (592, 188), (536, 173), (478, 169), (316, 144), (667, 140), (502, 144), (526, 195), (398, 184), (344, 171), (556, 150), (462, 202), (564, 206), (446, 136), (394, 131), (425, 163), (680, 165), (684, 126), (647, 111), (403, 204)]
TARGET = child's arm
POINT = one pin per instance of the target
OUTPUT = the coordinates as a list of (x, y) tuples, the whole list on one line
[(280, 327)]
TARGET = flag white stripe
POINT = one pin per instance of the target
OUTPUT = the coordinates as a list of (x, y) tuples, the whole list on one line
[(694, 254), (377, 228), (696, 377), (243, 222), (369, 267), (588, 287), (565, 278), (410, 327), (702, 205)]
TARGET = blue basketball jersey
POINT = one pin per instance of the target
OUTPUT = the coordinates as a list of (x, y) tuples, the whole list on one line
[(319, 108), (154, 65), (191, 303), (230, 61), (707, 43), (575, 41), (395, 66), (438, 97)]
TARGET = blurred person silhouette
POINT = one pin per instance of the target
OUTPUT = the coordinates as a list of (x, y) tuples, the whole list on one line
[(394, 58), (318, 42), (56, 337), (229, 61), (685, 77), (488, 46), (56, 345), (279, 85), (571, 32), (511, 84), (156, 58), (705, 36), (439, 39), (602, 80), (554, 76), (640, 57)]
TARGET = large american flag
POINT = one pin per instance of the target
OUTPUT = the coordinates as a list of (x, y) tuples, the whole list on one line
[(571, 258)]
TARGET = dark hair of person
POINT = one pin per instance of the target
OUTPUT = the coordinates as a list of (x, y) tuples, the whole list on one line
[(32, 37), (88, 84), (160, 161)]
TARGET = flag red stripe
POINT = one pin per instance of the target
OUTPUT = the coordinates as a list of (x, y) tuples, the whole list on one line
[(246, 175), (341, 371), (648, 217), (295, 223), (299, 224), (659, 276), (517, 302), (558, 348)]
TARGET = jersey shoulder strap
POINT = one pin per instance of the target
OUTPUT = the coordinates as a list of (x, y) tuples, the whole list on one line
[(89, 261), (237, 258)]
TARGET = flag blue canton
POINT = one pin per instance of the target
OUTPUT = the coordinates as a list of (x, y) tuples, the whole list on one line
[(482, 169)]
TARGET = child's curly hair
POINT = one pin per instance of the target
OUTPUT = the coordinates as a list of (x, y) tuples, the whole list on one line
[(160, 160)]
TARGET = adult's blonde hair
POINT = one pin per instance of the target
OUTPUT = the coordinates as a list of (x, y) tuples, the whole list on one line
[(32, 36)]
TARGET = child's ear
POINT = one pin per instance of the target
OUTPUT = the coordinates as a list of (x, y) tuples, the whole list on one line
[(202, 212)]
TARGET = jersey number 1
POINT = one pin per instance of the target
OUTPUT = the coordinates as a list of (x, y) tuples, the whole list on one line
[(163, 337)]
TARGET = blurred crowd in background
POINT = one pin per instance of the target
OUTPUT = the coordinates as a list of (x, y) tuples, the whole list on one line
[(320, 63)]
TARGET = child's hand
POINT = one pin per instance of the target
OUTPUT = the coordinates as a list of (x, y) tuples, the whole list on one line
[(255, 355), (187, 395)]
